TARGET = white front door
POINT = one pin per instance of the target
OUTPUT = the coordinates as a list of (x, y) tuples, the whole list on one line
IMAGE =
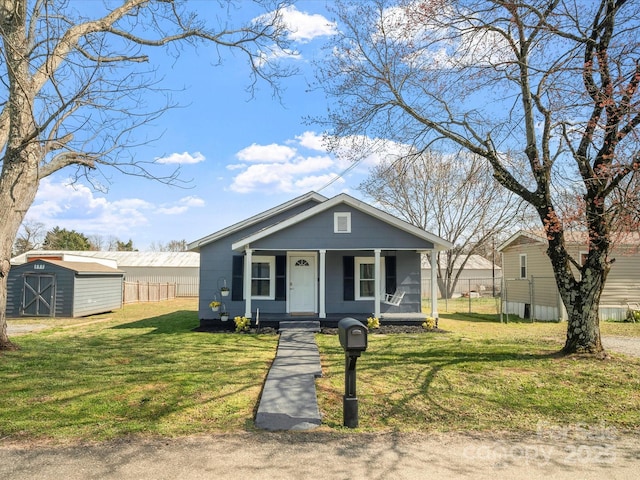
[(302, 283)]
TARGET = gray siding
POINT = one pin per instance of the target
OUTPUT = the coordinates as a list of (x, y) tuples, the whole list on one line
[(216, 267), (313, 234), (75, 295), (64, 292), (96, 294), (63, 300), (407, 278), (366, 232), (14, 293)]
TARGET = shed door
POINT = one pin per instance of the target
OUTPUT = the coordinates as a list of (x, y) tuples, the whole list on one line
[(38, 295)]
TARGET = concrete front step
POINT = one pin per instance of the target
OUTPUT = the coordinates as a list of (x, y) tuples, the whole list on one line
[(300, 325)]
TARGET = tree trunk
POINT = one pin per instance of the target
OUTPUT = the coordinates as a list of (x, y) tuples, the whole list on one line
[(22, 155), (17, 192), (5, 343), (583, 331), (581, 298)]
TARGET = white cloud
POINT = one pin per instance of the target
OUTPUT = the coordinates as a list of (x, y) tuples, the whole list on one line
[(314, 183), (182, 206), (184, 158), (282, 177), (305, 27), (275, 54), (297, 167), (266, 153), (76, 207), (412, 25), (312, 141), (302, 27)]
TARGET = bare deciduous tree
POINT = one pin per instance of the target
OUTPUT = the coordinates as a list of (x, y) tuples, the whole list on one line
[(551, 83), (31, 237), (75, 87), (447, 195)]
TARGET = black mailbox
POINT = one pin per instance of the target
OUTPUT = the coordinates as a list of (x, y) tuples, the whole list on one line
[(353, 335)]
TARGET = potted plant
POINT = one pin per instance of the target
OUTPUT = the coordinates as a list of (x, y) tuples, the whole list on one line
[(224, 316), (224, 290), (215, 305)]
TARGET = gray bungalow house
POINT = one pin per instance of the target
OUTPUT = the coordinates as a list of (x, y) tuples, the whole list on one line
[(315, 257)]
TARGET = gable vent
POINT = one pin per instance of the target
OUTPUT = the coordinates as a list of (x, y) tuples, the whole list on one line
[(342, 222)]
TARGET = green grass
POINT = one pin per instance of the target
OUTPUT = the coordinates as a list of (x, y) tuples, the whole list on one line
[(481, 376), (142, 371)]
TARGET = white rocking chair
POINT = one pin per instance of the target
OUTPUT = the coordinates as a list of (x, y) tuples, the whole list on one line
[(393, 298)]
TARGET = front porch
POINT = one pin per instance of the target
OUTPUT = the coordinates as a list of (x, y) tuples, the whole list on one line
[(273, 320)]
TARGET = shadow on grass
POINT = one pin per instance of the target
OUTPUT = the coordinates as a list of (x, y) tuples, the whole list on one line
[(122, 380), (413, 369), (182, 321)]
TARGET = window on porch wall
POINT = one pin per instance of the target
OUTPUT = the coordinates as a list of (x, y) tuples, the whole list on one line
[(262, 277), (277, 278), (365, 277)]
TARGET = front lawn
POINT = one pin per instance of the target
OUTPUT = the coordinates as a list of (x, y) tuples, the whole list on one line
[(483, 376), (143, 371)]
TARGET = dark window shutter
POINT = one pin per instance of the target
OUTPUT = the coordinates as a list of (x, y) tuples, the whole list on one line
[(281, 277), (349, 280), (237, 278), (390, 281)]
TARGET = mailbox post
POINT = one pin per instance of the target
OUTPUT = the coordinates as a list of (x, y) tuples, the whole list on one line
[(353, 338)]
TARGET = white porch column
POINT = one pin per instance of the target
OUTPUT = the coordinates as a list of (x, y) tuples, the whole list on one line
[(434, 285), (377, 282), (247, 282), (323, 283)]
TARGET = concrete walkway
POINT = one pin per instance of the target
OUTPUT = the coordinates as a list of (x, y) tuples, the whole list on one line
[(288, 400)]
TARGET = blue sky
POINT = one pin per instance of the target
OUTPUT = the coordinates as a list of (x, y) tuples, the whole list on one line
[(244, 154)]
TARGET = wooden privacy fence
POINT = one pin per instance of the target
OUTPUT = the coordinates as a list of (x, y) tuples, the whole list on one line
[(139, 292)]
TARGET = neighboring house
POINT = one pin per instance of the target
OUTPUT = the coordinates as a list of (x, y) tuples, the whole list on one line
[(180, 268), (315, 256), (529, 285), (55, 288), (479, 275)]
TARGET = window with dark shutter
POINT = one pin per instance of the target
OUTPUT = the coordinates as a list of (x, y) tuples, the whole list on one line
[(349, 288), (281, 277), (237, 278), (390, 279)]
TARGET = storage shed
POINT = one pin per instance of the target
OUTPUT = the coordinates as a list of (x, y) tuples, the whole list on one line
[(179, 268), (55, 288)]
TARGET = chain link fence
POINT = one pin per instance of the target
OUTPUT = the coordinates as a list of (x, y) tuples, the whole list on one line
[(471, 295)]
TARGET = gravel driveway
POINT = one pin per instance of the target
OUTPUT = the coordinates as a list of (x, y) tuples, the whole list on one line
[(325, 456), (627, 345)]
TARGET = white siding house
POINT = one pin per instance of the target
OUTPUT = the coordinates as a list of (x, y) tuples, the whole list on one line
[(530, 289)]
